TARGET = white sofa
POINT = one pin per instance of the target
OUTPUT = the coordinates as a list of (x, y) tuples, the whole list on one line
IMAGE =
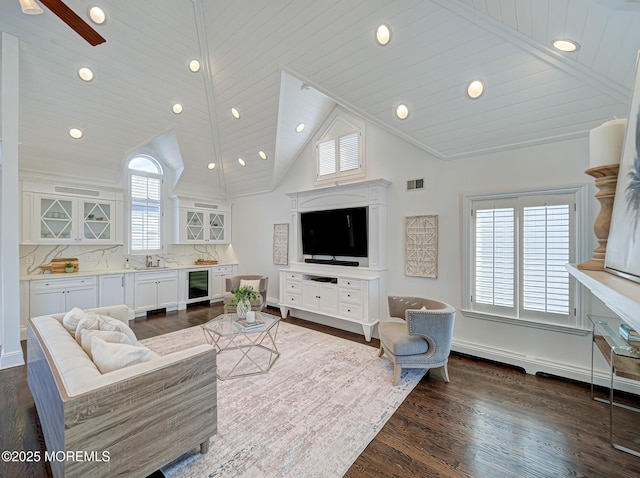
[(129, 422)]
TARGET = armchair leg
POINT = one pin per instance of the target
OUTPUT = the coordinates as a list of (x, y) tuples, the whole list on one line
[(440, 373), (397, 370), (380, 350)]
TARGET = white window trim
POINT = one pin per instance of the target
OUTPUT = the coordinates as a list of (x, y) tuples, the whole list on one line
[(356, 127), (133, 172), (581, 326)]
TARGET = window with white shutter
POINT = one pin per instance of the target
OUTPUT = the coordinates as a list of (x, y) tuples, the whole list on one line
[(145, 198), (519, 245), (339, 150)]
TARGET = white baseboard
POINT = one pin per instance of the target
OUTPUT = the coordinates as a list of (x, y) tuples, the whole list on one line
[(534, 365), (13, 359)]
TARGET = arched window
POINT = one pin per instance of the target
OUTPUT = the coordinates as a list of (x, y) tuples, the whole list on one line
[(339, 150), (145, 195)]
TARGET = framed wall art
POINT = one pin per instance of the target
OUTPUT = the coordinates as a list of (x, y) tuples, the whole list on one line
[(421, 246), (281, 244), (623, 248)]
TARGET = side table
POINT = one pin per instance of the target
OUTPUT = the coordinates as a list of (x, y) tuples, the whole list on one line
[(624, 362)]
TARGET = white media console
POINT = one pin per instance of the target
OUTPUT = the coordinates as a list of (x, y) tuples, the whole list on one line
[(353, 294), (344, 295)]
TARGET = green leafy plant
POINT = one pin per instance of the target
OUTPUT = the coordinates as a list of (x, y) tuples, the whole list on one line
[(68, 264), (244, 293)]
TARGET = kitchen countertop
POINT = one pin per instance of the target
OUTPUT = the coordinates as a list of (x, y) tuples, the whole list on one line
[(99, 272)]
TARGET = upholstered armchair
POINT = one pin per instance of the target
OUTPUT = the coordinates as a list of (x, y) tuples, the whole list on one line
[(418, 335), (232, 283)]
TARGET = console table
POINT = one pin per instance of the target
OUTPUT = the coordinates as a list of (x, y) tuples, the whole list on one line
[(346, 295), (624, 362)]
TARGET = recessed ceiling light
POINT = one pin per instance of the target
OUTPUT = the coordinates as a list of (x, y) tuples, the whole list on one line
[(566, 46), (300, 128), (211, 165), (75, 133), (242, 162), (262, 155), (194, 66), (235, 113), (97, 15), (475, 89), (177, 108), (85, 73), (383, 34), (402, 112)]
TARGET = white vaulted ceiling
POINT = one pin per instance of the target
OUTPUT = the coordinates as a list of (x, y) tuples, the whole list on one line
[(283, 62)]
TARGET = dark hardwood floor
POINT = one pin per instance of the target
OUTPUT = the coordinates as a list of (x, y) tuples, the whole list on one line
[(490, 421)]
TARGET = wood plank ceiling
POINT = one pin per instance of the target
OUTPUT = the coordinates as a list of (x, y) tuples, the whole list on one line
[(258, 55)]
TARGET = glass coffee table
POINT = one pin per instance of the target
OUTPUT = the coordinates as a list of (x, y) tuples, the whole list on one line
[(243, 351)]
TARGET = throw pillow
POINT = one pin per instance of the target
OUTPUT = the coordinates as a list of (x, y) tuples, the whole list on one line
[(107, 335), (255, 284), (89, 321), (109, 357), (71, 319), (111, 324)]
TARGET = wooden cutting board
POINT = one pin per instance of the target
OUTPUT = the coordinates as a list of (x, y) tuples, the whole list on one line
[(57, 266)]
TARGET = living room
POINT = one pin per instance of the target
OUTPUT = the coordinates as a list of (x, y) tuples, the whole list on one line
[(471, 160)]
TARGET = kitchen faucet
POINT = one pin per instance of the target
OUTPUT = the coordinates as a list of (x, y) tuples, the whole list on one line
[(149, 262)]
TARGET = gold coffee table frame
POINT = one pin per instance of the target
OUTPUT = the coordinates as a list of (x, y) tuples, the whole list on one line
[(226, 337)]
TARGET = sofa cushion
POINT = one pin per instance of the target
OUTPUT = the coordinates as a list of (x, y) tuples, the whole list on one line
[(72, 318), (110, 336), (398, 341), (109, 356), (91, 320), (115, 325)]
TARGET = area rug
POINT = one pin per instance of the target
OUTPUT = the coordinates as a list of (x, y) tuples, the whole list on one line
[(311, 415)]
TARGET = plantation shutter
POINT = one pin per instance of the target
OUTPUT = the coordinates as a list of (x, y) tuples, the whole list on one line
[(145, 214), (546, 251), (349, 152), (327, 157), (494, 257)]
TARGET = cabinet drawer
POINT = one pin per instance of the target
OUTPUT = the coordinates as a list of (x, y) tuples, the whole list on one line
[(349, 283), (294, 287), (351, 296), (223, 269), (63, 283), (293, 299), (351, 311), (293, 276)]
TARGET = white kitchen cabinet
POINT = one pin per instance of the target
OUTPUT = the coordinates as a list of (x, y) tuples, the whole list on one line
[(61, 295), (52, 218), (24, 308), (218, 276), (155, 290), (110, 290), (197, 222)]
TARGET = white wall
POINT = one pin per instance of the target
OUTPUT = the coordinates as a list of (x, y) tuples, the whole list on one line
[(389, 157)]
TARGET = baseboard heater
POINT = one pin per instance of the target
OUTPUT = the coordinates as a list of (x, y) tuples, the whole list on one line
[(332, 262)]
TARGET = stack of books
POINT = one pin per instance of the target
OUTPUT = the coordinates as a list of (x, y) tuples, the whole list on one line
[(245, 326), (629, 334)]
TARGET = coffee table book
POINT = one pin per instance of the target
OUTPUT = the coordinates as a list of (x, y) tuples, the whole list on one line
[(245, 326)]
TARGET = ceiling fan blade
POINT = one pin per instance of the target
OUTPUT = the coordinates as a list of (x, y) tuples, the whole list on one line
[(68, 16)]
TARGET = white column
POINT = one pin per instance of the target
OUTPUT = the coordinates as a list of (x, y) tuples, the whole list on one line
[(11, 352)]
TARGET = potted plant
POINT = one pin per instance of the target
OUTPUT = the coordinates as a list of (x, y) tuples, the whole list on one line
[(242, 297), (68, 267)]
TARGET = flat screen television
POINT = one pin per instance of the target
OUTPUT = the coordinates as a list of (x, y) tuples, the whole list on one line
[(335, 232)]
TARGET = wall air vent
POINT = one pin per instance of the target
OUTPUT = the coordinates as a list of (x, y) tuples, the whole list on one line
[(206, 206), (77, 191), (413, 184)]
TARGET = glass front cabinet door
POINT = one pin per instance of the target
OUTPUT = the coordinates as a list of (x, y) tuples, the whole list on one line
[(71, 220)]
